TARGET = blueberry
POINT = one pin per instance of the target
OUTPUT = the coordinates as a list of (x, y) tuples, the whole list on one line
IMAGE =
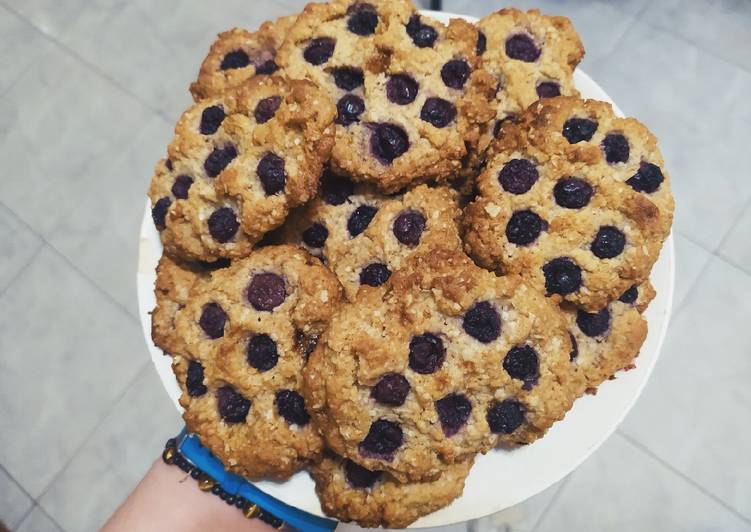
[(181, 186), (548, 89), (384, 437), (363, 19), (360, 219), (267, 67), (455, 73), (336, 189), (168, 164), (482, 322), (233, 407), (523, 363), (159, 212), (391, 389), (647, 179), (593, 324), (574, 348), (608, 243), (629, 296), (562, 276), (421, 34), (212, 320), (211, 118), (408, 227), (401, 89), (319, 50), (270, 170), (453, 412), (305, 343), (506, 416), (349, 108), (262, 352), (266, 291), (194, 380), (482, 43), (438, 112), (348, 78), (291, 407), (267, 108), (572, 193), (219, 159), (518, 176), (235, 59), (374, 274), (223, 224), (426, 353), (522, 47), (579, 129), (616, 148), (524, 227), (388, 141), (359, 477), (315, 236)]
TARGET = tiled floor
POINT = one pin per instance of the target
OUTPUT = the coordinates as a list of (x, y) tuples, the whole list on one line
[(89, 90)]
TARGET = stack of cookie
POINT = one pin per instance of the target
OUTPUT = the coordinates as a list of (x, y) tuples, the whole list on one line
[(391, 244)]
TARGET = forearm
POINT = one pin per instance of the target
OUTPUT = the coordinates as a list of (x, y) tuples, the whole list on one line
[(168, 499)]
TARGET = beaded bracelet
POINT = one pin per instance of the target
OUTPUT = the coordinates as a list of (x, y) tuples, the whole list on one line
[(172, 456)]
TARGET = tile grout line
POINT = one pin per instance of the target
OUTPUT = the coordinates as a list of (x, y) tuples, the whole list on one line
[(39, 506), (646, 450), (553, 499), (23, 490), (27, 514)]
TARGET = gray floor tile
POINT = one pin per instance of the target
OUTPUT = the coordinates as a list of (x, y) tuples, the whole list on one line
[(689, 413), (49, 16), (100, 236), (668, 84), (690, 260), (15, 503), (116, 456), (38, 521), (20, 47), (55, 122), (520, 518), (721, 26), (68, 352), (18, 244), (622, 489), (166, 41), (737, 245)]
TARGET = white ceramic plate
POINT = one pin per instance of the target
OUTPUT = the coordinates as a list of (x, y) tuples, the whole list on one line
[(499, 479)]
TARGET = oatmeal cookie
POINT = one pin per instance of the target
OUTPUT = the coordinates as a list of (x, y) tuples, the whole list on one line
[(350, 492), (574, 199), (238, 55), (442, 361), (364, 236), (410, 92), (237, 164), (248, 332)]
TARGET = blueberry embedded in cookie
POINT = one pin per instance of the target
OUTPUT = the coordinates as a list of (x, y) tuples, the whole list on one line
[(558, 203), (350, 492), (237, 164), (246, 332), (442, 361)]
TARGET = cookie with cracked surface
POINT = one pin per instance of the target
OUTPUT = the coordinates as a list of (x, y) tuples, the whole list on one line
[(608, 341), (237, 164), (251, 328), (419, 97), (238, 55), (444, 360), (365, 236), (349, 492), (554, 207)]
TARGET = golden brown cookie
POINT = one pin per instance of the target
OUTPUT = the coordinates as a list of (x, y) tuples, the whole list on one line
[(574, 199), (248, 332), (237, 164), (364, 236), (238, 55), (442, 361), (350, 492)]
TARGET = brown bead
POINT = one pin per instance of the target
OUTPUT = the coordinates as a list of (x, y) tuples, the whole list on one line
[(169, 455), (251, 512), (206, 483)]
